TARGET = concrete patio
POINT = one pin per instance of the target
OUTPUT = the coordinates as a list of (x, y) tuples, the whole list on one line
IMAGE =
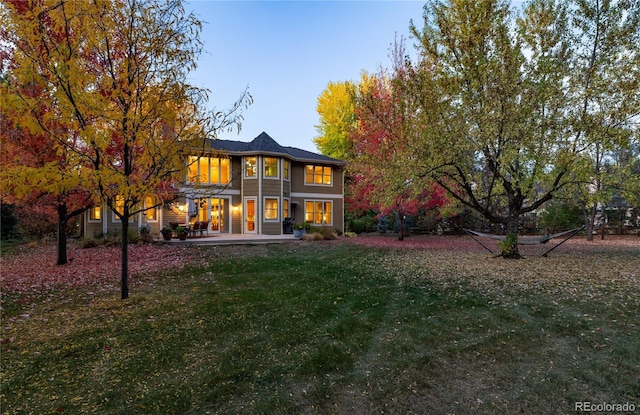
[(233, 239)]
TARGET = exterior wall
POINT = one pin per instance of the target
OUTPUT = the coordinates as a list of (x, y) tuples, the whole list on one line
[(294, 189), (302, 193)]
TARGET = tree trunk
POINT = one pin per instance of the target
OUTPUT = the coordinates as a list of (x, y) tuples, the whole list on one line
[(62, 234), (124, 275), (590, 219), (509, 247), (401, 226)]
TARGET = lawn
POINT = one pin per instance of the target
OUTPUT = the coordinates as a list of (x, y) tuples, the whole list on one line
[(359, 326)]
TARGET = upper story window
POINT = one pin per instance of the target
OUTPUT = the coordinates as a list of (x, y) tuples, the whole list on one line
[(270, 167), (250, 166), (287, 167), (209, 170), (319, 175)]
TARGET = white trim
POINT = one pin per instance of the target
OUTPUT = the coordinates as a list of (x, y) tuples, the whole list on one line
[(318, 195)]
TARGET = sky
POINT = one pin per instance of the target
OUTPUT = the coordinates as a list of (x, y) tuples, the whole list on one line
[(286, 52)]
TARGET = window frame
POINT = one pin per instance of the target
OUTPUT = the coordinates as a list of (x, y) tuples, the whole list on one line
[(275, 209), (196, 163), (255, 167), (322, 213), (275, 169), (315, 175), (92, 211)]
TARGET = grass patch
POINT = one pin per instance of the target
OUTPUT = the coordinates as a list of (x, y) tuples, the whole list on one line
[(324, 328)]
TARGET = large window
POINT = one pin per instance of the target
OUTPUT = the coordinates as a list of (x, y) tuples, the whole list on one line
[(270, 209), (285, 209), (319, 175), (270, 167), (250, 166), (209, 170), (318, 212)]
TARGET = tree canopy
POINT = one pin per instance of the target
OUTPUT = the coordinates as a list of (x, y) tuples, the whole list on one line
[(505, 110), (116, 72)]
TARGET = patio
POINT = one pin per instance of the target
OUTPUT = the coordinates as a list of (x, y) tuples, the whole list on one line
[(233, 239)]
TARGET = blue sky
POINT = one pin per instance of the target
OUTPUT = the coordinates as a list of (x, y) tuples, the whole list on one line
[(286, 52)]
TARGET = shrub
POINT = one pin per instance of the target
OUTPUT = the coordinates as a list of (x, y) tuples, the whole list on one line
[(312, 237), (86, 243), (145, 233), (328, 234)]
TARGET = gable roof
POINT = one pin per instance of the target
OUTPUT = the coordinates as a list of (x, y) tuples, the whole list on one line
[(265, 145)]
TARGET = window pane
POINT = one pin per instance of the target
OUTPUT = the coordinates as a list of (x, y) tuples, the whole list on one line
[(250, 167), (193, 169), (271, 209), (94, 213), (270, 167), (225, 171), (150, 214), (285, 208), (204, 170), (286, 169), (214, 168), (318, 174), (317, 213), (327, 175), (308, 211), (328, 216), (308, 174)]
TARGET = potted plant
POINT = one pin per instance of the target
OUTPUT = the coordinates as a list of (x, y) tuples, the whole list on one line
[(299, 229), (182, 232), (167, 233)]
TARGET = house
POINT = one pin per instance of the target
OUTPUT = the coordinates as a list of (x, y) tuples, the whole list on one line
[(247, 188)]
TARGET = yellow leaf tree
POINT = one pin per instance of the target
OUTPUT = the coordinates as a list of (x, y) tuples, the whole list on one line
[(123, 82)]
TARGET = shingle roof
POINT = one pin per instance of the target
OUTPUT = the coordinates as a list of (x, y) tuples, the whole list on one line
[(264, 144)]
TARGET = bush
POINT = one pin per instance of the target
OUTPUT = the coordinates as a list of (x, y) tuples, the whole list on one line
[(86, 243), (328, 234), (312, 237), (8, 222), (560, 217), (145, 233), (362, 224)]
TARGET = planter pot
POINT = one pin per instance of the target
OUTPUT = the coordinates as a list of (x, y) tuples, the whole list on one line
[(297, 233), (167, 236), (182, 236)]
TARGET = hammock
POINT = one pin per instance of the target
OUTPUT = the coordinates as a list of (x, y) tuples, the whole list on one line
[(531, 240)]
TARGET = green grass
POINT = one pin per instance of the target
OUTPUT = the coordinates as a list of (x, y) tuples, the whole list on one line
[(313, 328)]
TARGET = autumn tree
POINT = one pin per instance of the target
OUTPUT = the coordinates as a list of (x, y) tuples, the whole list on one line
[(336, 108), (388, 121), (121, 81), (511, 112), (39, 166)]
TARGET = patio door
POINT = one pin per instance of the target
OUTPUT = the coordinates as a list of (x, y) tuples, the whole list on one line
[(219, 215), (250, 225)]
